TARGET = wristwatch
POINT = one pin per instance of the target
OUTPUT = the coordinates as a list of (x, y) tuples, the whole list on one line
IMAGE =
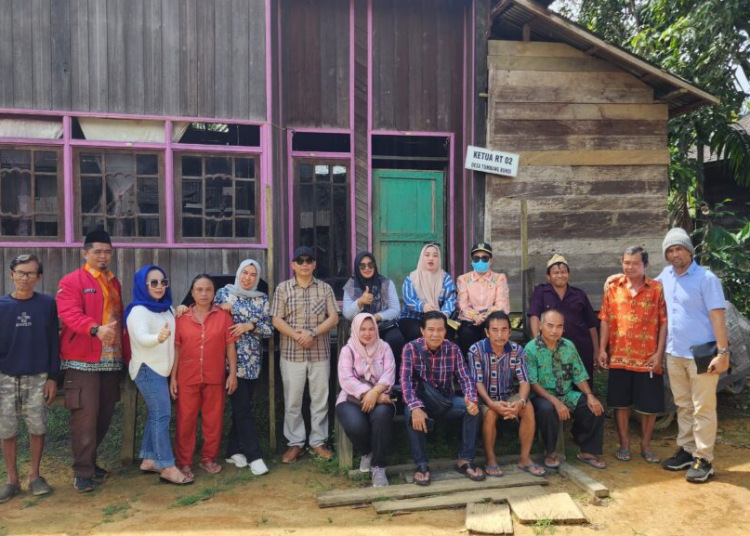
[(724, 351), (523, 402), (93, 331), (314, 335)]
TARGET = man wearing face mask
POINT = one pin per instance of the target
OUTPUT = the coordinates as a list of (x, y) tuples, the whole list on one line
[(480, 293)]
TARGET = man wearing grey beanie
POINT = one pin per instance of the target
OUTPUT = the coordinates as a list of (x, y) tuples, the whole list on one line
[(695, 308)]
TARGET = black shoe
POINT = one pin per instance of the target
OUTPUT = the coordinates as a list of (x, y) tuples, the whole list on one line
[(100, 473), (679, 461), (700, 471), (82, 485)]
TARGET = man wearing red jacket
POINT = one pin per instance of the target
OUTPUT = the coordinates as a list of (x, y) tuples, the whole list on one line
[(89, 303)]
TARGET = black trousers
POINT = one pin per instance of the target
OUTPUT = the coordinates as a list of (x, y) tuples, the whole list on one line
[(395, 339), (588, 430), (243, 437), (468, 334), (368, 432)]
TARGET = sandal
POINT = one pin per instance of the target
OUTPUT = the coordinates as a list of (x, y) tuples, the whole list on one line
[(187, 471), (493, 470), (650, 457), (424, 471), (593, 461), (211, 467), (464, 469), (533, 469), (184, 482), (623, 455), (149, 469), (555, 465)]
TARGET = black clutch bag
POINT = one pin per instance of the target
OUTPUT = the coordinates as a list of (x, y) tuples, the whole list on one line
[(703, 355)]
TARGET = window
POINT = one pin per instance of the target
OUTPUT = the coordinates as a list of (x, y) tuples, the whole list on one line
[(119, 192), (30, 186), (322, 218), (218, 197)]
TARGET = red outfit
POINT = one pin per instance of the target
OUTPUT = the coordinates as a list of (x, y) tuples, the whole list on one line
[(201, 373)]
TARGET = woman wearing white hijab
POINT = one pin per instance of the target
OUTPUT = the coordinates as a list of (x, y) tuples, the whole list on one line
[(428, 288), (252, 323), (367, 372)]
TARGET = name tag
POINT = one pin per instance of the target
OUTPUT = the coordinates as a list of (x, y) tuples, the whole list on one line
[(89, 291)]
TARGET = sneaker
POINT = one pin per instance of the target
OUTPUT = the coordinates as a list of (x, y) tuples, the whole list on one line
[(379, 478), (8, 491), (700, 471), (680, 460), (237, 459), (40, 486), (82, 485), (365, 463), (100, 473), (258, 467)]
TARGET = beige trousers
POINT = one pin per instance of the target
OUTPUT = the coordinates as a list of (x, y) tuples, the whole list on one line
[(695, 397)]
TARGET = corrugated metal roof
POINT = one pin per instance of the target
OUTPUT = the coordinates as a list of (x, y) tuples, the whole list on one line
[(510, 16)]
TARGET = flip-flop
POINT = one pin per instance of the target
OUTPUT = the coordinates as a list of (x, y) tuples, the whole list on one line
[(464, 469), (423, 470), (210, 467), (651, 457), (594, 462), (187, 471), (493, 470), (623, 455), (552, 466), (184, 482), (528, 468)]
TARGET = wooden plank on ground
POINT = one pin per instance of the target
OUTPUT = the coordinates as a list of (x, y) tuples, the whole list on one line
[(453, 500), (485, 518), (558, 507), (347, 497), (584, 481)]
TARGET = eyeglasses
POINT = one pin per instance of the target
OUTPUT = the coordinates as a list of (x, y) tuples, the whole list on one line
[(480, 258), (156, 283), (366, 265), (25, 275), (304, 260)]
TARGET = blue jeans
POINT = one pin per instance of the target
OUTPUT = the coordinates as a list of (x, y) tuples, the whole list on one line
[(436, 410), (156, 444)]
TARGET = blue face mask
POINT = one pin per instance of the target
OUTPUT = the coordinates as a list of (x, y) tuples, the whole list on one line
[(480, 267)]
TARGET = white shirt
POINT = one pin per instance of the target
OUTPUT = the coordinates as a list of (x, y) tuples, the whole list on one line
[(143, 328)]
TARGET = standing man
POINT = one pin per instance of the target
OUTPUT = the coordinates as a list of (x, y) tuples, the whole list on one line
[(429, 365), (554, 368), (634, 324), (480, 293), (29, 369), (695, 306), (89, 302), (304, 311), (574, 304), (497, 362)]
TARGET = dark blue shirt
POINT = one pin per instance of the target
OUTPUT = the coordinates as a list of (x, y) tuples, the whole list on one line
[(29, 341)]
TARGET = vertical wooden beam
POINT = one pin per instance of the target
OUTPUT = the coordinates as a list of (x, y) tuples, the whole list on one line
[(271, 344), (528, 274), (129, 419), (527, 32)]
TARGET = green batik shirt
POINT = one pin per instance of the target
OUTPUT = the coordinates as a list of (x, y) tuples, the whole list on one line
[(557, 371)]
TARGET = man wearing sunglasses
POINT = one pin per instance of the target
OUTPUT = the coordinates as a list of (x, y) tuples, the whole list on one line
[(89, 302), (304, 311), (481, 292)]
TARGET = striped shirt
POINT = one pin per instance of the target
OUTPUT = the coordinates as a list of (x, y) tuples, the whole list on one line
[(497, 372), (414, 308), (304, 308), (445, 365)]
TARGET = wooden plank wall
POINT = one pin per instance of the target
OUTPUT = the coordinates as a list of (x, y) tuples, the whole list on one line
[(594, 159), (181, 265), (315, 63), (162, 57)]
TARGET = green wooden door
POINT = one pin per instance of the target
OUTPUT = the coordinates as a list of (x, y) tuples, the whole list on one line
[(407, 211)]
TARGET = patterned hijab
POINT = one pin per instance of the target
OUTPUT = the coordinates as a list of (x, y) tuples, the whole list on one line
[(237, 289), (427, 284), (375, 349)]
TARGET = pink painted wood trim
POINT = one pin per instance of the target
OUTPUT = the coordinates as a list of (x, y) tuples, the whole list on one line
[(352, 170), (451, 204), (169, 179), (218, 148), (369, 126), (290, 193), (136, 245), (100, 115), (265, 174), (322, 130), (315, 154), (118, 144), (464, 173), (68, 190), (269, 60), (436, 133), (32, 141)]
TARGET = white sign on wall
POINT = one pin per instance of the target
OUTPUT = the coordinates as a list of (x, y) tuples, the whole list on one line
[(495, 162)]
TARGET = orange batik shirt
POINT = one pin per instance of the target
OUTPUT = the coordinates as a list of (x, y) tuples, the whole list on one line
[(634, 323)]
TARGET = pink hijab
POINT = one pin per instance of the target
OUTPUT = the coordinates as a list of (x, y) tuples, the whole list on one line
[(428, 285), (375, 349)]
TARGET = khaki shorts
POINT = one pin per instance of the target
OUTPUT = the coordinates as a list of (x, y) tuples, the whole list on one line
[(22, 396), (514, 398)]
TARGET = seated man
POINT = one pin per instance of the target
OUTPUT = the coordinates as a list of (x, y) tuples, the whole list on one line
[(428, 366), (554, 367), (497, 360)]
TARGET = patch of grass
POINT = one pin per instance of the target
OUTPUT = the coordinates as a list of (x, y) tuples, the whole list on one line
[(29, 503), (114, 509), (330, 519), (202, 495), (328, 467), (543, 526)]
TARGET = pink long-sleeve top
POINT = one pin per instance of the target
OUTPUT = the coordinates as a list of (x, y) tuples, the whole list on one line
[(351, 371)]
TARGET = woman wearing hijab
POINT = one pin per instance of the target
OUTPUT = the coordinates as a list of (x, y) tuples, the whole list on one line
[(151, 324), (369, 292), (252, 323), (367, 372), (428, 288)]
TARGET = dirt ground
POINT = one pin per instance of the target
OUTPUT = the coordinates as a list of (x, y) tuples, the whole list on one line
[(645, 500)]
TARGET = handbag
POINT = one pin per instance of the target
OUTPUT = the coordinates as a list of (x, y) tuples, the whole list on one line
[(444, 401), (386, 325), (703, 355)]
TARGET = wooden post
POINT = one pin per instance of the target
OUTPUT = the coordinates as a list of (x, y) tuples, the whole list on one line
[(344, 446), (271, 345), (129, 419), (528, 274)]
